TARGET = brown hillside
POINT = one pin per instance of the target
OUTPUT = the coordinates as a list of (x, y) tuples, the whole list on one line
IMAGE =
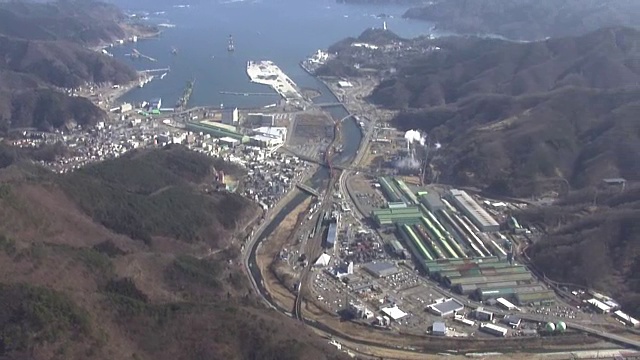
[(595, 246), (527, 19), (72, 288), (524, 145)]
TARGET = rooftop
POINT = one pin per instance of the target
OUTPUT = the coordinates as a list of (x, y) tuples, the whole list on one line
[(332, 233), (447, 306), (394, 312), (473, 207), (439, 327), (382, 268), (229, 140)]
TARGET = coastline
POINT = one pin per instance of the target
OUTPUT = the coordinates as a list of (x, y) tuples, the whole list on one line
[(130, 31)]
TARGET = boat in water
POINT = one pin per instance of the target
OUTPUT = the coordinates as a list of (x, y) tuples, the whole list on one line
[(231, 46), (163, 75)]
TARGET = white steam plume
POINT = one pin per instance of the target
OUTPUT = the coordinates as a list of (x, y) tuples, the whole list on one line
[(413, 135)]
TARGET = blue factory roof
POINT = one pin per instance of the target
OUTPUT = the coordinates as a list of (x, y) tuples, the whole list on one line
[(332, 234)]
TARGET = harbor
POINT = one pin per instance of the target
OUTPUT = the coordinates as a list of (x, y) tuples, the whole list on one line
[(268, 73)]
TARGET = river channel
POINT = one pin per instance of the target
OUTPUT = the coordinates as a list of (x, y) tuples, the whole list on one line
[(351, 138)]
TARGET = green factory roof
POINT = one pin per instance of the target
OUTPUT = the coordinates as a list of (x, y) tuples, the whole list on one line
[(216, 131), (488, 279), (545, 297)]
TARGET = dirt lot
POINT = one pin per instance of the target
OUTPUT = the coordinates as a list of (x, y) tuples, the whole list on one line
[(315, 126), (270, 251)]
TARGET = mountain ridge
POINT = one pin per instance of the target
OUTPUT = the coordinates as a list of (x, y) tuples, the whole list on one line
[(527, 19), (44, 52)]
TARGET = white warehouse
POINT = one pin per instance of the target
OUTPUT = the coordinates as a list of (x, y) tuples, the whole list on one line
[(473, 210)]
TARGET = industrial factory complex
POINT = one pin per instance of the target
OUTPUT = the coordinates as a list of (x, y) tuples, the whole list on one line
[(456, 242), (223, 125)]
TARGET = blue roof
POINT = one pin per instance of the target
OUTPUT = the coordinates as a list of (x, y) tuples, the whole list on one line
[(332, 234)]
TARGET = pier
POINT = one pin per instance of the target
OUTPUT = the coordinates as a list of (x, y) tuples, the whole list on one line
[(155, 70), (137, 54)]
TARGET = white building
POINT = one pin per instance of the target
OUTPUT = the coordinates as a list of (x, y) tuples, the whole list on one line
[(272, 131), (599, 306), (323, 260), (446, 308), (125, 107), (228, 141), (628, 320), (494, 329), (394, 312), (506, 304)]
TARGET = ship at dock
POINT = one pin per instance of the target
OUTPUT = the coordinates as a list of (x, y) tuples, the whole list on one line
[(186, 95), (230, 45)]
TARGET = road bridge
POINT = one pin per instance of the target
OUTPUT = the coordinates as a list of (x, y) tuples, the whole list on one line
[(307, 189), (247, 93), (328, 104)]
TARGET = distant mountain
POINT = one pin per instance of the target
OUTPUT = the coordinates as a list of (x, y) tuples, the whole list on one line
[(61, 63), (528, 19), (43, 50), (604, 59), (381, 2), (520, 118), (46, 110), (85, 22)]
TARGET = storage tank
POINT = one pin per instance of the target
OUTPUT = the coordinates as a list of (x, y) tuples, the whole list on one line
[(561, 326), (550, 327)]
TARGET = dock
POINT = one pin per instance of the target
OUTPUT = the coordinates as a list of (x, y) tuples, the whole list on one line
[(268, 73), (155, 70), (247, 93)]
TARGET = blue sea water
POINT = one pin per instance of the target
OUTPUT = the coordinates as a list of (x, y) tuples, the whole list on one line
[(284, 31)]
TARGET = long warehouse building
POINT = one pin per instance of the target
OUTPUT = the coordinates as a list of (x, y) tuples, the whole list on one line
[(479, 216), (332, 234)]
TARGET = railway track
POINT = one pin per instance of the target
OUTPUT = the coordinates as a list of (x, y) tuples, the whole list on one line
[(314, 247)]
